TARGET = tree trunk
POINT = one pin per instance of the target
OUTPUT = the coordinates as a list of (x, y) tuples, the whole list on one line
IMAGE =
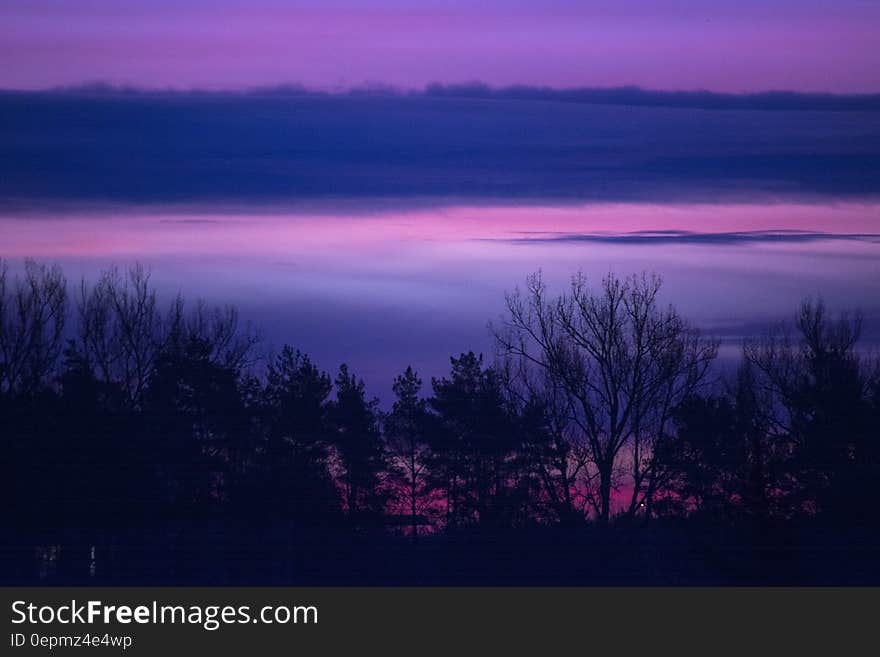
[(604, 496), (412, 502)]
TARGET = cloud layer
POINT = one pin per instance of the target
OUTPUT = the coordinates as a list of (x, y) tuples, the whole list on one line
[(521, 144)]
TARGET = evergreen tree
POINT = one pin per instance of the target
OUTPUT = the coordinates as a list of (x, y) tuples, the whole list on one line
[(361, 457)]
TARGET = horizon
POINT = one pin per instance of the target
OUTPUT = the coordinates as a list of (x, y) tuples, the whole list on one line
[(628, 93)]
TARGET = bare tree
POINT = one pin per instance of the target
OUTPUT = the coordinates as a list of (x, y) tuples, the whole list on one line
[(218, 328), (33, 311), (623, 362), (121, 329)]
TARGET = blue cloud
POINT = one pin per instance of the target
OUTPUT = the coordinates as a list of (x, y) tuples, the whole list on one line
[(475, 144)]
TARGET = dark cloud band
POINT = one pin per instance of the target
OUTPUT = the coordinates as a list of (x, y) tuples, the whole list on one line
[(472, 144), (690, 237)]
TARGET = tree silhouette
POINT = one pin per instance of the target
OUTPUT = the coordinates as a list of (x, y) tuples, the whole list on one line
[(551, 442), (291, 460), (822, 403), (475, 444), (624, 363), (361, 457), (33, 312), (155, 446), (407, 429)]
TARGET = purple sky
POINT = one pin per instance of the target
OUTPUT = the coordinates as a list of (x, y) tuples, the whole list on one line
[(723, 45), (382, 230)]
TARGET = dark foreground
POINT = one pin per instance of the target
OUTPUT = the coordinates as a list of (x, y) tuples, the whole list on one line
[(663, 554), (602, 447)]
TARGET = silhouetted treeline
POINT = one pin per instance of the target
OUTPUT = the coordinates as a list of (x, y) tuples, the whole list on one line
[(147, 440)]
